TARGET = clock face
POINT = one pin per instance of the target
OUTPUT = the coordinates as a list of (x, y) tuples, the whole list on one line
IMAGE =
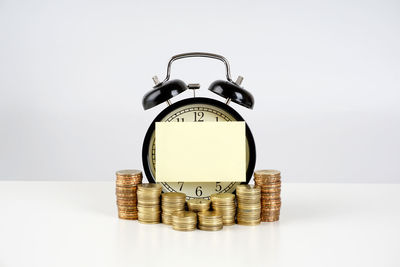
[(196, 110)]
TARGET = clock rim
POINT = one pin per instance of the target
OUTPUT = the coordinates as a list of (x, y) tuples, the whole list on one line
[(198, 100)]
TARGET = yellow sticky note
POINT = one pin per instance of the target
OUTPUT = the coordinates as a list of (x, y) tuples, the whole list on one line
[(200, 151)]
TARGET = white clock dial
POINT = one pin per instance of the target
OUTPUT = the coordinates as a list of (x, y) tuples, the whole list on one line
[(194, 113)]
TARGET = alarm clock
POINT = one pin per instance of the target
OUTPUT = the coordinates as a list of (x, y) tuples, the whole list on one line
[(196, 109)]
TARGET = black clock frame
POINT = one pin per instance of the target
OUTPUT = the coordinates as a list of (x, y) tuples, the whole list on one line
[(198, 100)]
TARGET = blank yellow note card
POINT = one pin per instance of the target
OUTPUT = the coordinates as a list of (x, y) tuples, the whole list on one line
[(200, 151)]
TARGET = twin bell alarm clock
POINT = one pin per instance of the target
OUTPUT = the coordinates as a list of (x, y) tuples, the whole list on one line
[(196, 109)]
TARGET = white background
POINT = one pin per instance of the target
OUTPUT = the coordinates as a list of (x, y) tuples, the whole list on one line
[(325, 76)]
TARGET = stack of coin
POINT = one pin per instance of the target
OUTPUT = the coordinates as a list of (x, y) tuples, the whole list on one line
[(249, 204), (148, 196), (198, 204), (170, 203), (224, 203), (126, 188), (270, 183), (210, 220), (184, 220)]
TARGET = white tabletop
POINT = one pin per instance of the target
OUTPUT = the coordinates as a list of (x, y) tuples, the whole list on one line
[(75, 224)]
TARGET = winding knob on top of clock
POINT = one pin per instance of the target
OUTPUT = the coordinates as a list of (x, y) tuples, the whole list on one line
[(194, 87)]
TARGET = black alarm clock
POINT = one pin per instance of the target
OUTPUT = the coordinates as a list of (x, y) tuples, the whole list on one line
[(196, 109)]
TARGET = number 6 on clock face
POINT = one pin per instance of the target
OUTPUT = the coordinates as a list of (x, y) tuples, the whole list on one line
[(196, 110)]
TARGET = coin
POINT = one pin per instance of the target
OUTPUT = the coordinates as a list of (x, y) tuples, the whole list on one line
[(148, 197), (126, 192), (270, 183), (149, 187), (224, 203), (222, 197), (127, 217), (210, 220), (249, 222), (198, 204), (184, 220), (267, 176), (173, 195), (210, 228), (126, 202), (171, 203), (268, 205), (267, 173), (272, 190), (270, 218), (132, 196), (249, 204), (128, 178), (128, 173)]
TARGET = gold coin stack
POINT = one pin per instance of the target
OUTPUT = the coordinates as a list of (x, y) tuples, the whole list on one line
[(170, 203), (184, 220), (224, 203), (126, 188), (249, 204), (198, 204), (148, 196), (270, 183), (210, 220)]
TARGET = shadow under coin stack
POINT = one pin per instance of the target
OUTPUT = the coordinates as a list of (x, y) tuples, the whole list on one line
[(148, 196), (170, 203), (249, 204), (224, 203), (184, 220), (126, 188), (198, 204), (210, 220), (270, 183)]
